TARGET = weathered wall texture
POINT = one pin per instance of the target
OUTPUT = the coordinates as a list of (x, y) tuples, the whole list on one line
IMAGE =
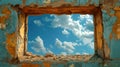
[(111, 23)]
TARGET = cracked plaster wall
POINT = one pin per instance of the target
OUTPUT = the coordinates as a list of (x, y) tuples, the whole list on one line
[(111, 23)]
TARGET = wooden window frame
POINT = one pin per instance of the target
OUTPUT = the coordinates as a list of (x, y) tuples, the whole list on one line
[(23, 20)]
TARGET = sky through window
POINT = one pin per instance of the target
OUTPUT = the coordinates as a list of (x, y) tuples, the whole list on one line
[(61, 34)]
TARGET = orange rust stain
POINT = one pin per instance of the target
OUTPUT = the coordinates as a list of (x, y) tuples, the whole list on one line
[(116, 27), (2, 19), (7, 12), (23, 2), (11, 50), (47, 64), (30, 65), (11, 43), (88, 3), (110, 3), (110, 37), (6, 15), (2, 22)]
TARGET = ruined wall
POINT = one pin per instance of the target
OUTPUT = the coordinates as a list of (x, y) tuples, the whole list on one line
[(9, 24)]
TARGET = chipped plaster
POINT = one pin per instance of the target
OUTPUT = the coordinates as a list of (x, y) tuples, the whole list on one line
[(8, 26)]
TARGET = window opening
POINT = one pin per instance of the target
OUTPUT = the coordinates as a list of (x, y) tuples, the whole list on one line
[(63, 34)]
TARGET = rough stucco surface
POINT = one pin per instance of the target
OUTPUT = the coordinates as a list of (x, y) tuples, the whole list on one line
[(111, 24)]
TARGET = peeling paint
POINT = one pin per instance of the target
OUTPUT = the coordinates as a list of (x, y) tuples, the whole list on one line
[(47, 64), (116, 27), (5, 15), (108, 22), (11, 43), (9, 21), (30, 65)]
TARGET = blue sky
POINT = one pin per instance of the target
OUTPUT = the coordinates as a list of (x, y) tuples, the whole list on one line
[(61, 34)]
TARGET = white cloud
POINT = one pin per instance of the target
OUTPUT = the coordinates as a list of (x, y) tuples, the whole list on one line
[(82, 31), (37, 22), (66, 46), (68, 50), (85, 53), (87, 16), (87, 40), (77, 53), (66, 22), (65, 32), (49, 51), (63, 53), (47, 19), (38, 45), (69, 45), (91, 45), (58, 43), (35, 49), (89, 25)]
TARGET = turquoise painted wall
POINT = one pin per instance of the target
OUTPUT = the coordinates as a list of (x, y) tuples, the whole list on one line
[(11, 26)]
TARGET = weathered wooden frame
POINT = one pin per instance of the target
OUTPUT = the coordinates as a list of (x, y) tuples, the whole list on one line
[(22, 26)]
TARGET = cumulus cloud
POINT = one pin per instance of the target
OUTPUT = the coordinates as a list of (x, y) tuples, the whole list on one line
[(91, 45), (63, 53), (65, 32), (69, 45), (59, 43), (58, 20), (69, 24), (37, 45), (69, 51), (47, 19), (85, 53), (89, 25), (87, 16), (37, 22), (87, 41), (77, 53), (49, 51), (66, 46), (83, 31)]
